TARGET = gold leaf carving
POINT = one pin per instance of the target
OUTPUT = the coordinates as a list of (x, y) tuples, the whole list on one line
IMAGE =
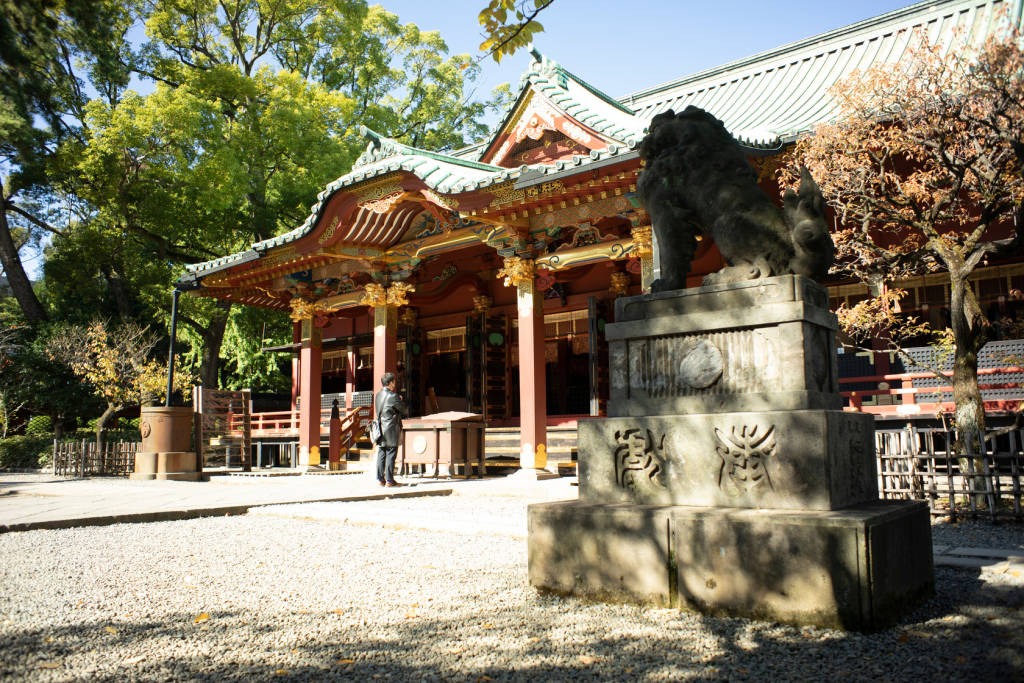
[(642, 241), (516, 270)]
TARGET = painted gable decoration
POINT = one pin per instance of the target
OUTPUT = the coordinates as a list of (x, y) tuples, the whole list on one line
[(540, 133), (557, 116)]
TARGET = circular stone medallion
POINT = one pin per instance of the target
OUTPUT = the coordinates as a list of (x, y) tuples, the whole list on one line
[(145, 430), (419, 444), (702, 366)]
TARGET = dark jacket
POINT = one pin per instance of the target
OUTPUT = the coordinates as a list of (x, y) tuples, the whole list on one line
[(391, 409)]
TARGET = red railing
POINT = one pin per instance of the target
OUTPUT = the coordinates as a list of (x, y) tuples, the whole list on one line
[(915, 400), (353, 424), (286, 422)]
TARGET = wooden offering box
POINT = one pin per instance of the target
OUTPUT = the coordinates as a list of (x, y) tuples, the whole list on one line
[(451, 439)]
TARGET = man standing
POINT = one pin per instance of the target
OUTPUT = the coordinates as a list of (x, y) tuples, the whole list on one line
[(390, 409)]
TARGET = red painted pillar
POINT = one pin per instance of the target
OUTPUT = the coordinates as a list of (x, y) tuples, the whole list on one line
[(296, 338), (350, 375), (532, 388), (309, 388), (385, 342)]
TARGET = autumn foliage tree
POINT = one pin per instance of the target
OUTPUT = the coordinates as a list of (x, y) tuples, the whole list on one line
[(924, 168), (116, 362)]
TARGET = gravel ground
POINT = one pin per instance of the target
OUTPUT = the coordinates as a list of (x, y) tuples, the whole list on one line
[(294, 598)]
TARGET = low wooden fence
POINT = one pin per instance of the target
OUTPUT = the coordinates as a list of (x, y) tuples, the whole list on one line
[(84, 459), (925, 464)]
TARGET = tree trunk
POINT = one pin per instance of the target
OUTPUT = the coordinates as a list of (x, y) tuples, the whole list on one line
[(213, 337), (101, 425), (970, 332), (117, 289), (15, 271)]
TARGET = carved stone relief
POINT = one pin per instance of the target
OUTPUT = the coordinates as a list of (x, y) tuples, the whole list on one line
[(639, 460), (744, 456)]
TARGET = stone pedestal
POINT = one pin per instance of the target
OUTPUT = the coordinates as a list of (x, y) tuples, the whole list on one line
[(726, 478), (166, 450)]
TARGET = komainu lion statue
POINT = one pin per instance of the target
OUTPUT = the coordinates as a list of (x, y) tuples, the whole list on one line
[(697, 181)]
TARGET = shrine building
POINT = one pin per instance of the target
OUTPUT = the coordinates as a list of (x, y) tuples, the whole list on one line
[(484, 277)]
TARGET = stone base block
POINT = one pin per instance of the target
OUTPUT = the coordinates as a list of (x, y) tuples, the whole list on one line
[(783, 459), (860, 568), (172, 465)]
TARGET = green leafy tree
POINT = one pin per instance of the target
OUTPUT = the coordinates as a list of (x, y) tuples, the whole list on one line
[(510, 25), (49, 49), (255, 109)]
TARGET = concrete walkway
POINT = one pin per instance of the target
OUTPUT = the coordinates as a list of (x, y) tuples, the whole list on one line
[(37, 501)]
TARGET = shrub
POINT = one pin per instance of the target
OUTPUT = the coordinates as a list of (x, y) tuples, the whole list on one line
[(25, 452), (39, 425)]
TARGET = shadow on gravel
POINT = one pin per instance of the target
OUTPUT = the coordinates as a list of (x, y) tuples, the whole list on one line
[(972, 630)]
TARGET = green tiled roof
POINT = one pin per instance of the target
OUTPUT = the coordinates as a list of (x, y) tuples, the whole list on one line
[(775, 96), (764, 101)]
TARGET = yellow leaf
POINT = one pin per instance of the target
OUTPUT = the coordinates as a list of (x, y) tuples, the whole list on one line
[(295, 652), (587, 660), (338, 611), (48, 640), (49, 665), (346, 661), (487, 626), (110, 629), (281, 672)]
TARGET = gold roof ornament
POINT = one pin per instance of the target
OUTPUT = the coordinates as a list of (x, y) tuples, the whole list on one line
[(619, 283), (642, 241), (398, 293), (408, 316), (304, 309), (377, 295), (482, 303), (516, 270), (374, 295)]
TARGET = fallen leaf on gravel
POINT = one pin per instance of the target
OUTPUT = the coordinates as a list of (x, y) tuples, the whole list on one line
[(49, 665), (49, 639), (903, 638), (295, 652), (487, 626), (346, 661), (281, 672), (202, 617), (587, 660), (411, 615), (134, 660), (110, 629), (338, 611)]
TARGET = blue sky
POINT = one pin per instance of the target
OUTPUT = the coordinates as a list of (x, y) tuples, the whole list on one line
[(623, 46)]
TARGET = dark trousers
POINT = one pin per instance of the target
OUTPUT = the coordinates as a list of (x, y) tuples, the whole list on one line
[(386, 463)]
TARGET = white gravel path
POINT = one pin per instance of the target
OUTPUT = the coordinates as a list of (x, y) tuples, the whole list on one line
[(292, 596)]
